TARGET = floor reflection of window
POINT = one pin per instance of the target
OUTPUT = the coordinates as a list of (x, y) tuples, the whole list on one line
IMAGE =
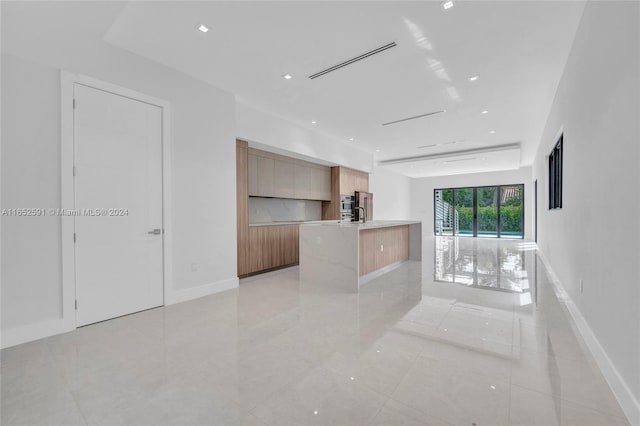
[(502, 269)]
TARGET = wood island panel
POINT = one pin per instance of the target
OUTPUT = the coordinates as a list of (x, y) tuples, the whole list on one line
[(394, 242)]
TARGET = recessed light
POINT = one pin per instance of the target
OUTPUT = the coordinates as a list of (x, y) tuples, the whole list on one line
[(473, 78), (314, 122), (492, 131), (203, 28), (351, 139), (484, 112), (447, 4), (377, 150), (315, 412), (287, 76)]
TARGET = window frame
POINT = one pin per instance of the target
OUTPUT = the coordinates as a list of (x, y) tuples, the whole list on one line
[(555, 174)]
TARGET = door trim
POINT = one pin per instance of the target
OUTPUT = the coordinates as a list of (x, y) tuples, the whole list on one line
[(67, 81)]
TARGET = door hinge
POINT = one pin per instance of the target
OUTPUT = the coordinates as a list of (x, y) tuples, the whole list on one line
[(74, 103), (74, 237), (74, 170), (76, 305)]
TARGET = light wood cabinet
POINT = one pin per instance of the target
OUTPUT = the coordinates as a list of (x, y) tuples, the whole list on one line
[(273, 175), (301, 181), (261, 176), (272, 247), (353, 180), (284, 179), (382, 247), (242, 207), (343, 181)]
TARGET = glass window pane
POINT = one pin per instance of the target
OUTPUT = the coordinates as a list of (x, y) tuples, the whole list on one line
[(444, 216), (488, 211), (511, 211), (463, 211)]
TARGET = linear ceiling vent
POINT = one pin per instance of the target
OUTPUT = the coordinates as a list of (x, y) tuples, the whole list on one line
[(414, 117), (353, 60)]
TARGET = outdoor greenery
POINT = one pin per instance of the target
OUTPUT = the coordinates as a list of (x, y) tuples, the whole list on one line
[(488, 199), (488, 218)]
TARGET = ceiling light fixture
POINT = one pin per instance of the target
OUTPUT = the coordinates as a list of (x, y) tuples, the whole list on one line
[(473, 78), (287, 76), (314, 122), (484, 112), (447, 4), (351, 139), (203, 28), (492, 131), (377, 150)]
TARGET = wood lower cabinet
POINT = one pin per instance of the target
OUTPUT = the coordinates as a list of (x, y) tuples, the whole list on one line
[(380, 247), (272, 247)]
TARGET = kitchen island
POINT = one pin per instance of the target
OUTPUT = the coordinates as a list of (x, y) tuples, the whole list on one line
[(343, 256)]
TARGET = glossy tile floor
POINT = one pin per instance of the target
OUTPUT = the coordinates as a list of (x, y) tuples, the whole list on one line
[(473, 335)]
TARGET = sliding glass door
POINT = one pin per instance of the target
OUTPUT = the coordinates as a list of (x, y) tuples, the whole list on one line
[(484, 211), (512, 211), (463, 204), (487, 208), (444, 214)]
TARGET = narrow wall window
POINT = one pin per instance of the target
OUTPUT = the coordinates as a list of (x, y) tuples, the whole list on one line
[(555, 176)]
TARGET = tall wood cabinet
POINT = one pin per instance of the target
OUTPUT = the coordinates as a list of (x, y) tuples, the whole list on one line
[(343, 181)]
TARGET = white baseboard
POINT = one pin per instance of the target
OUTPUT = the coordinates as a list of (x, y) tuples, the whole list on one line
[(618, 385), (27, 333), (183, 295)]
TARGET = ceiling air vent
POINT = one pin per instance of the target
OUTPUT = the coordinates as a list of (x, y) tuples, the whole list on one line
[(414, 117), (353, 60)]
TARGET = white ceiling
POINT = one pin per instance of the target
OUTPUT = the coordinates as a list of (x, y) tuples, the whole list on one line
[(517, 48)]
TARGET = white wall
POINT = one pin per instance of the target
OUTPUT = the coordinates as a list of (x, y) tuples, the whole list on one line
[(422, 193), (254, 125), (595, 235), (35, 46), (391, 194)]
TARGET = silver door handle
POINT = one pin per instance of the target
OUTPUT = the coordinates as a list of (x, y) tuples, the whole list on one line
[(156, 231)]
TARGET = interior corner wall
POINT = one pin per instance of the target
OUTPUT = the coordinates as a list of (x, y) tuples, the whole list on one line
[(595, 237), (422, 193), (255, 125), (391, 194), (202, 179)]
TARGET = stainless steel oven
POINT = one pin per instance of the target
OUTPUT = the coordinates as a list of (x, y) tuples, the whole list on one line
[(346, 208)]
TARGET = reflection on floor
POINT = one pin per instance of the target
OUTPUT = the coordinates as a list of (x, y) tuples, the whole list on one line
[(415, 347)]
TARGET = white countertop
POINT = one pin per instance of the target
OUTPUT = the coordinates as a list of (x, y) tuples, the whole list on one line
[(294, 222), (369, 225)]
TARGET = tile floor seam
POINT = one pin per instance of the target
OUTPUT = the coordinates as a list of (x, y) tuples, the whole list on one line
[(68, 385), (571, 401)]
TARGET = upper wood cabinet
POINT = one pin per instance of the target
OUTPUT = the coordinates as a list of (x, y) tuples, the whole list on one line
[(352, 181), (343, 181), (272, 175), (284, 179)]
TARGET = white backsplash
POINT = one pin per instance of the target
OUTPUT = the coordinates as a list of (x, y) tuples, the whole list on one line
[(265, 210)]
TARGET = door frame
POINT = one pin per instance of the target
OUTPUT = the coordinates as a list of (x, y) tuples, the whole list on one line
[(67, 82)]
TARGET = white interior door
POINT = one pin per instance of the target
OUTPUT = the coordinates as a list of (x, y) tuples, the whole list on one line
[(118, 165)]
